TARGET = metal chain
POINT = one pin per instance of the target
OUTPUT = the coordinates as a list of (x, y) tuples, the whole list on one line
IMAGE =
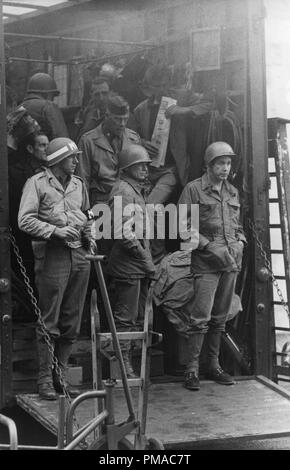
[(41, 323), (268, 266)]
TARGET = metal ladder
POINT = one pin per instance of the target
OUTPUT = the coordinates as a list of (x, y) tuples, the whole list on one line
[(279, 210)]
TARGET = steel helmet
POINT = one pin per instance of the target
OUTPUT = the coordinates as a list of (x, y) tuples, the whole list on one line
[(133, 154), (108, 71), (42, 83), (218, 149), (60, 148)]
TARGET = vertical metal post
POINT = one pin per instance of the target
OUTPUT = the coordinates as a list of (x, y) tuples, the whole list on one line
[(262, 308), (5, 297), (61, 422)]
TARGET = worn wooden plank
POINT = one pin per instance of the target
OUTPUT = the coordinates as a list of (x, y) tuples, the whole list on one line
[(45, 412), (253, 407)]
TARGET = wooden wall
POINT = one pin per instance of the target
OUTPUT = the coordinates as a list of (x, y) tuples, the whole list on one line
[(165, 23)]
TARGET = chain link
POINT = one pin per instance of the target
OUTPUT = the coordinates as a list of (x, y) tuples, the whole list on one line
[(42, 325), (268, 266)]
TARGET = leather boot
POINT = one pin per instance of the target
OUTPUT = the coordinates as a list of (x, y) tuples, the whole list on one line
[(46, 391), (44, 382), (214, 370), (63, 351), (191, 381)]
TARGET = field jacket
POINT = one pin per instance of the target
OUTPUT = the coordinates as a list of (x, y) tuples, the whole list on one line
[(219, 228), (130, 256), (46, 205), (99, 163)]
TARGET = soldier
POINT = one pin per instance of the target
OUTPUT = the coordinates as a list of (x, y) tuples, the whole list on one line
[(130, 262), (94, 112), (53, 212), (216, 262), (99, 165), (41, 91), (164, 179)]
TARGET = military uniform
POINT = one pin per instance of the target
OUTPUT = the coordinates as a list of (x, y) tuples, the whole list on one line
[(220, 230), (47, 114), (130, 261), (61, 269), (215, 265), (99, 164)]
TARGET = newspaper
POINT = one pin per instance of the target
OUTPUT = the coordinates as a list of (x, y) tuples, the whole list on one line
[(161, 131)]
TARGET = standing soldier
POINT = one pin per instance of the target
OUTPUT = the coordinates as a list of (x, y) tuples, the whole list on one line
[(216, 262), (94, 113), (53, 212), (41, 91), (130, 261), (101, 146)]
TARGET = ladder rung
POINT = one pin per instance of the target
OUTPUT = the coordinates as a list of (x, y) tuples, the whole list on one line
[(283, 370), (277, 252), (275, 226), (123, 335), (280, 328), (274, 199)]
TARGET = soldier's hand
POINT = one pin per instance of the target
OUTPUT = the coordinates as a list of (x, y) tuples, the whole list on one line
[(93, 247), (170, 111), (151, 148), (67, 233)]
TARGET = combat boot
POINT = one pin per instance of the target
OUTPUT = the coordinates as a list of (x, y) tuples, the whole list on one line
[(219, 376), (191, 381), (63, 351), (44, 382), (214, 370), (46, 391)]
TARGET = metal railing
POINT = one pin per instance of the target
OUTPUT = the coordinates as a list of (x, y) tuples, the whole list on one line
[(13, 437)]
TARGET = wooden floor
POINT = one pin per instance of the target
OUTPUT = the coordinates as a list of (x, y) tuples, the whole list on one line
[(252, 408)]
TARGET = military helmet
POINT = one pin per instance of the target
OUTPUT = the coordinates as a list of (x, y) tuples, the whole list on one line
[(60, 148), (108, 71), (42, 83), (218, 149), (133, 154)]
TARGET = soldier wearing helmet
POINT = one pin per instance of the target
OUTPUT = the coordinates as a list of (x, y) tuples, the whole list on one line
[(53, 211), (38, 101), (130, 262), (216, 261)]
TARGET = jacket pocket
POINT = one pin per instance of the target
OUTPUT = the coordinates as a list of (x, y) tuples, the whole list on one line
[(234, 209)]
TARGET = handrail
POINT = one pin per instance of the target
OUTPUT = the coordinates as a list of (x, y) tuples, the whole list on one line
[(70, 412), (90, 428), (13, 437)]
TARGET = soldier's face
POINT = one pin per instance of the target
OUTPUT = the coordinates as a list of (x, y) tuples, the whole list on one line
[(100, 94), (40, 147), (139, 171), (220, 169), (117, 123), (68, 165)]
